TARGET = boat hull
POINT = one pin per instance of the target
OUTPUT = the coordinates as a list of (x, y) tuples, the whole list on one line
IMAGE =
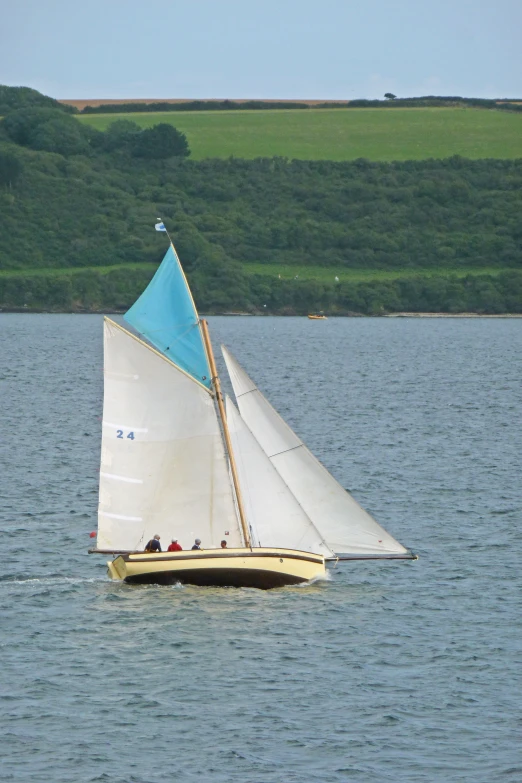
[(261, 568)]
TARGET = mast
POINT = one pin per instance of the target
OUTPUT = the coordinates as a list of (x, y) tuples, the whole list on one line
[(217, 387)]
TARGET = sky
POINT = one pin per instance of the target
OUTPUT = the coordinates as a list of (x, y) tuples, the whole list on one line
[(294, 49)]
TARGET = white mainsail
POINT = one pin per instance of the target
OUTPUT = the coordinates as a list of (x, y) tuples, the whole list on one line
[(163, 466), (274, 515), (345, 527)]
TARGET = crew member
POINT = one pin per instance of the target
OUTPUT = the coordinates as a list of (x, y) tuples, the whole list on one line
[(154, 544)]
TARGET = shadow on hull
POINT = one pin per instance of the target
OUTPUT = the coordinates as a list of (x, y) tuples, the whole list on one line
[(211, 577)]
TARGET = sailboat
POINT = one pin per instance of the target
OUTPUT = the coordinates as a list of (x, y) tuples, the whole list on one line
[(181, 461)]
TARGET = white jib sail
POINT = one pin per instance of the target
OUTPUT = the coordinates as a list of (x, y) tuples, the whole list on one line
[(163, 466), (274, 515), (345, 527)]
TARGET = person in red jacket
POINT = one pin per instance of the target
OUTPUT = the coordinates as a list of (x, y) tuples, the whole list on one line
[(175, 547)]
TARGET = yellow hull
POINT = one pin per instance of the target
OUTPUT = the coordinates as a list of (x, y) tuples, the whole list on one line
[(260, 567), (317, 317)]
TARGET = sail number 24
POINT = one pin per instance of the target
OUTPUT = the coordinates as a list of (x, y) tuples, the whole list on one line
[(119, 434)]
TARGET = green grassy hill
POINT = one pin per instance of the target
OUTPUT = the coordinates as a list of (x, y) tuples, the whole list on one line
[(341, 134)]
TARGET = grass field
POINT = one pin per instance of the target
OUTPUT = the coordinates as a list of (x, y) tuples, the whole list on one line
[(321, 274), (341, 134), (328, 274), (70, 270)]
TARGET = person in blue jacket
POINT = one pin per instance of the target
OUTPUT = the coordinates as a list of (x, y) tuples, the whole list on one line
[(154, 544)]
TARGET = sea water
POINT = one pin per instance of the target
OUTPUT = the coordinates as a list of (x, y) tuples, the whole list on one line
[(391, 671)]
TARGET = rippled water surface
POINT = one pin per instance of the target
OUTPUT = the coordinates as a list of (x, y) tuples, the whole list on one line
[(388, 672)]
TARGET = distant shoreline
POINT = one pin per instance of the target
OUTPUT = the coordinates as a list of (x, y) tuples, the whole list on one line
[(11, 310), (453, 315), (80, 103)]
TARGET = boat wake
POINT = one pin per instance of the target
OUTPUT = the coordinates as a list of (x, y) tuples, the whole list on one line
[(326, 577), (48, 580)]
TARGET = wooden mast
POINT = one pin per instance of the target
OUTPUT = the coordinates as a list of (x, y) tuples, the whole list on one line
[(217, 387)]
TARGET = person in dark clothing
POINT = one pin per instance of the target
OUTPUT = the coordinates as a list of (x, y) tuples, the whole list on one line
[(154, 544), (197, 544), (175, 547)]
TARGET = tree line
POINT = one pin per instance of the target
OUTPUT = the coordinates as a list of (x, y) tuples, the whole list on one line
[(14, 98), (361, 103), (117, 289)]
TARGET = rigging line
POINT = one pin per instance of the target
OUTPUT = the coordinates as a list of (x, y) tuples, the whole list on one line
[(285, 451), (247, 392), (391, 556), (140, 540)]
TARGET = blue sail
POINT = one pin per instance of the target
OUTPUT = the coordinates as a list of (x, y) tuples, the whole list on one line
[(165, 314)]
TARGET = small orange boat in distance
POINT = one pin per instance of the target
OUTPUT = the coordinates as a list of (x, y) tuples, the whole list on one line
[(318, 317)]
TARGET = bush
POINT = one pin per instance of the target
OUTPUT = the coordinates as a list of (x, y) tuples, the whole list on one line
[(161, 141), (11, 168), (47, 129), (14, 98), (120, 136)]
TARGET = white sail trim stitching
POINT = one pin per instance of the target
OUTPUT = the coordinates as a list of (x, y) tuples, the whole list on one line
[(121, 478)]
